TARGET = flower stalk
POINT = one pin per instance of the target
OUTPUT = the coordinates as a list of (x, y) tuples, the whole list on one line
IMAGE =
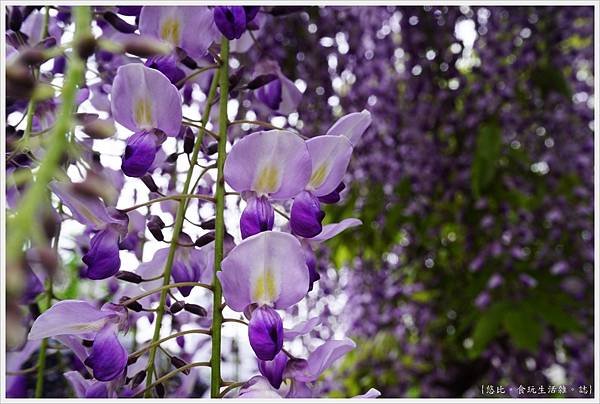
[(217, 320)]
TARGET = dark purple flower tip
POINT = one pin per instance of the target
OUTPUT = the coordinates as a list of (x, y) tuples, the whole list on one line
[(140, 152), (306, 215), (97, 390), (257, 217), (265, 332), (17, 387), (108, 358), (185, 272), (129, 10), (251, 12), (270, 94), (102, 258), (273, 370), (231, 20), (311, 263), (334, 196), (167, 65)]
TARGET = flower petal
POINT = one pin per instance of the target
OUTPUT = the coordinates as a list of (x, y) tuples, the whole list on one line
[(301, 328), (372, 393), (144, 98), (87, 210), (257, 216), (270, 94), (274, 163), (108, 358), (267, 268), (306, 215), (322, 358), (231, 21), (258, 387), (330, 156), (273, 369), (102, 259), (290, 96), (333, 229), (265, 332), (69, 317), (191, 28), (140, 152), (351, 126)]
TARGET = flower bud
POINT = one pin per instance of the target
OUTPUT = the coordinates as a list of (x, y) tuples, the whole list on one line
[(160, 390), (179, 363), (85, 47), (33, 56), (99, 129), (258, 216), (118, 23), (172, 158), (195, 309), (132, 359), (134, 306), (128, 277), (149, 183), (204, 239), (138, 378), (188, 141), (145, 47), (140, 152), (155, 226), (208, 224), (212, 148), (176, 307), (306, 215)]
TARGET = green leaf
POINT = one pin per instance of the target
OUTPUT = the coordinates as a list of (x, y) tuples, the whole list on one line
[(523, 328), (486, 328), (487, 153)]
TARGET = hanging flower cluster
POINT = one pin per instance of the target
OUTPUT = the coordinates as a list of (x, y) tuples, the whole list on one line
[(151, 63)]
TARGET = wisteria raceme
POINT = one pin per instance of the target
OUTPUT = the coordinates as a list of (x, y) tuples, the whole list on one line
[(149, 64), (298, 202)]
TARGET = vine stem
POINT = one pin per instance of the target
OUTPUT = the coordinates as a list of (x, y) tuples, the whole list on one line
[(179, 218), (160, 341), (169, 375), (162, 289), (215, 359), (22, 221), (168, 198)]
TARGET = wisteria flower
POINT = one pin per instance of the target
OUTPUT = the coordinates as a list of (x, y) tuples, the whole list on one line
[(278, 92)]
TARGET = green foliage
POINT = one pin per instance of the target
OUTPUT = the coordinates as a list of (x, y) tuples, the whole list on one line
[(487, 153)]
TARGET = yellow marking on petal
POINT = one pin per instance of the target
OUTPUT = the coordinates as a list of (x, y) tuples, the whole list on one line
[(171, 31), (264, 288), (268, 180), (318, 176), (143, 113)]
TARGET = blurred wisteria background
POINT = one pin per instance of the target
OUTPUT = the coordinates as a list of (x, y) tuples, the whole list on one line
[(474, 265)]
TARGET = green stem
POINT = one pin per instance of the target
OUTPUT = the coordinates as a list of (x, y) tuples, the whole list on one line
[(41, 363), (215, 359), (175, 239), (22, 222)]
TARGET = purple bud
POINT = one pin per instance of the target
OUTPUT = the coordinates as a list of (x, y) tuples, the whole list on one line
[(118, 23), (185, 272), (177, 307), (231, 21), (257, 217), (155, 225), (270, 94), (306, 215), (208, 224), (273, 370), (138, 378), (251, 12), (167, 65), (265, 333), (128, 277), (188, 141), (149, 183), (179, 363), (195, 309), (204, 239), (102, 259), (140, 152)]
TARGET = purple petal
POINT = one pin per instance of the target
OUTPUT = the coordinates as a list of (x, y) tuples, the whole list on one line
[(270, 94), (153, 268), (330, 156), (231, 21), (102, 259), (322, 358), (108, 358), (87, 210), (274, 163), (351, 126), (273, 369), (144, 98), (372, 393), (301, 328), (78, 382), (97, 390), (333, 229), (311, 263), (265, 332), (191, 28), (258, 387), (70, 317), (306, 215), (334, 196), (290, 96), (140, 152), (267, 268), (167, 65), (257, 216)]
